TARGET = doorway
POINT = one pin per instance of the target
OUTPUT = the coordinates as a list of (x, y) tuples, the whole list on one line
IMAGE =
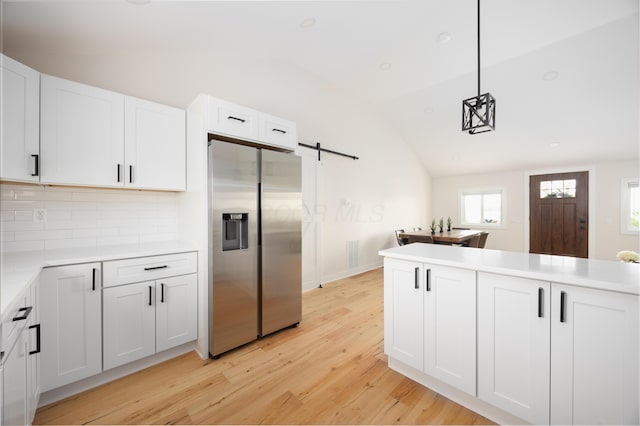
[(559, 214)]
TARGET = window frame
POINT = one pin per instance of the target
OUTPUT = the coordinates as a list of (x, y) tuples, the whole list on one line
[(482, 191), (625, 183)]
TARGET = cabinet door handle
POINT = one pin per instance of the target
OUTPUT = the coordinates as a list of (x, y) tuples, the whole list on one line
[(279, 130), (429, 279), (93, 285), (37, 350), (155, 267), (161, 292), (416, 278), (26, 311), (149, 295), (130, 173), (231, 117), (36, 157), (540, 302), (118, 172), (563, 302)]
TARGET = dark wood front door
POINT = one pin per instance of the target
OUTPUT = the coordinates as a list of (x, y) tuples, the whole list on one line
[(559, 214)]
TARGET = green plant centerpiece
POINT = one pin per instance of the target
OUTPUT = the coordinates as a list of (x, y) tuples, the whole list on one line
[(433, 226), (449, 224), (441, 224)]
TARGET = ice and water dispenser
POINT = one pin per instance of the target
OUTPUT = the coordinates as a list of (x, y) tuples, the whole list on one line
[(235, 229)]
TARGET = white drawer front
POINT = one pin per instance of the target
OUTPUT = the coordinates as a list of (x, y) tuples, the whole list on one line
[(233, 120), (11, 329), (138, 269), (278, 132)]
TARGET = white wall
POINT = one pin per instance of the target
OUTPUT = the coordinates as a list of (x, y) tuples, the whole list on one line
[(84, 217), (606, 238)]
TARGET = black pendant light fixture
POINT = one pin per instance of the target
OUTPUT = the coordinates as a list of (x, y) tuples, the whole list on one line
[(479, 112)]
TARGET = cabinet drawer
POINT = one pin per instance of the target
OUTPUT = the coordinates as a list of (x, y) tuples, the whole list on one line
[(278, 132), (233, 120), (137, 269), (11, 329)]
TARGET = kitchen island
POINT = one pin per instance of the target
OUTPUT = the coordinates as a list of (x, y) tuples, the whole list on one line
[(516, 337)]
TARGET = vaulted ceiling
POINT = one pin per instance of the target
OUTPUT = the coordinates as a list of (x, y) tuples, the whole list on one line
[(564, 72)]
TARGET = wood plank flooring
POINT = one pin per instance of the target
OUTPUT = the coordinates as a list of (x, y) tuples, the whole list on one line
[(331, 369)]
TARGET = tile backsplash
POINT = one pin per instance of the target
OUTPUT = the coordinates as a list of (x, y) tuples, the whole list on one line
[(37, 217)]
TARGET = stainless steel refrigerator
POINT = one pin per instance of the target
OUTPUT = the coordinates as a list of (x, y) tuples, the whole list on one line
[(255, 227)]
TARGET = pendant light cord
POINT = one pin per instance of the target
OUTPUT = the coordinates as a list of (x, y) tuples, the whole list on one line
[(478, 48)]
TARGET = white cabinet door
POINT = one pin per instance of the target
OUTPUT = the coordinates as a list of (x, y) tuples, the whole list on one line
[(155, 145), (450, 326), (14, 392), (176, 309), (278, 132), (594, 357), (514, 345), (128, 323), (237, 121), (403, 311), (34, 346), (20, 121), (72, 324), (82, 134)]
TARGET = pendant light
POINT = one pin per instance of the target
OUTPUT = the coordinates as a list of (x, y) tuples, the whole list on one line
[(479, 112)]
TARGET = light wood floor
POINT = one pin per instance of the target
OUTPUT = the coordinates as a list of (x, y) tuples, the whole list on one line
[(329, 370)]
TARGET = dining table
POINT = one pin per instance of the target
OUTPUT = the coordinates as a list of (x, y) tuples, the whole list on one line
[(455, 236)]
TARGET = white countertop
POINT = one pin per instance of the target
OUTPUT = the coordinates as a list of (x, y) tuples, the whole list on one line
[(19, 269), (599, 274)]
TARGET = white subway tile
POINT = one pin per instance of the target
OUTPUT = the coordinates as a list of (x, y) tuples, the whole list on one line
[(70, 224), (69, 243), (22, 205), (7, 216), (12, 246), (30, 195), (109, 241), (43, 235), (95, 232), (22, 225), (158, 237), (7, 236), (24, 216), (58, 214), (7, 194)]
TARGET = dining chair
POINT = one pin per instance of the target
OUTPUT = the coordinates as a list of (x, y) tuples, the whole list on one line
[(474, 241), (401, 241), (483, 239)]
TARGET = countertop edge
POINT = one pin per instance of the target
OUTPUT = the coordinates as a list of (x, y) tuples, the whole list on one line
[(484, 261)]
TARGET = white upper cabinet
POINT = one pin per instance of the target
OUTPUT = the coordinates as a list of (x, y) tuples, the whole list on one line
[(20, 121), (239, 122), (82, 134), (233, 120), (278, 132), (154, 146)]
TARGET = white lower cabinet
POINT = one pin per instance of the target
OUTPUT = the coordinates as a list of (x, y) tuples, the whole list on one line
[(594, 357), (72, 333), (450, 326), (403, 312), (34, 347), (143, 318), (14, 395), (429, 320), (514, 345)]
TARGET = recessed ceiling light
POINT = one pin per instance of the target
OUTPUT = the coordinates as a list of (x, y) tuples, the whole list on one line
[(428, 110), (444, 37), (385, 66), (554, 145), (550, 75), (308, 23)]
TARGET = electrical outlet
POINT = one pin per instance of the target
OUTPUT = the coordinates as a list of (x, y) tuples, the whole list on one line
[(39, 215)]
